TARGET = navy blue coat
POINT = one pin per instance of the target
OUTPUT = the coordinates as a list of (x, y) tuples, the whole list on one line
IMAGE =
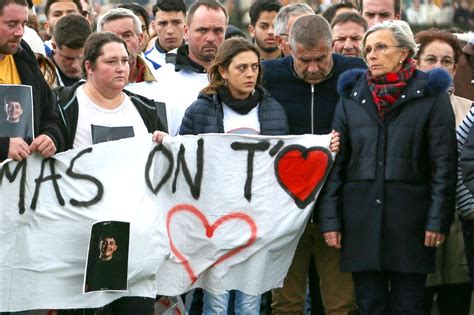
[(205, 115), (309, 108), (393, 179)]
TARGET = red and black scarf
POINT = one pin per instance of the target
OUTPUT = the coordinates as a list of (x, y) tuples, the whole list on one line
[(387, 88)]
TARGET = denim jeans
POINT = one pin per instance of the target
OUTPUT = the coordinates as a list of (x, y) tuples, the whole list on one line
[(217, 304)]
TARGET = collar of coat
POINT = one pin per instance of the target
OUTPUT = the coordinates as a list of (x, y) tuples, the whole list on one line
[(215, 98), (147, 75), (25, 53), (352, 82), (183, 62)]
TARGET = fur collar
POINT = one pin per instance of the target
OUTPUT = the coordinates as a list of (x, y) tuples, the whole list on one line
[(433, 81)]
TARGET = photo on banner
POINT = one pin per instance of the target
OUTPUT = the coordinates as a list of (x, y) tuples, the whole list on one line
[(107, 260), (16, 114)]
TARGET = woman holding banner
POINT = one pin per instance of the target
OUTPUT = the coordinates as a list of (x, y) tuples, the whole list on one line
[(234, 102), (99, 110), (389, 199)]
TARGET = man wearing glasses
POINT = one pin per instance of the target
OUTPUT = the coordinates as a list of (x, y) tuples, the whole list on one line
[(283, 22)]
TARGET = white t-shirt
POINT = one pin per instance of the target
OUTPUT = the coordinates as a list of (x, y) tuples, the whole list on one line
[(93, 116), (247, 124), (178, 90)]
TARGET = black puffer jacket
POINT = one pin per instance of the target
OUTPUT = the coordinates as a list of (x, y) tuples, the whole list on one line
[(206, 115), (393, 179)]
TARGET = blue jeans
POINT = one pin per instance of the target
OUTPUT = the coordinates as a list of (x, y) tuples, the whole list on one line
[(217, 304)]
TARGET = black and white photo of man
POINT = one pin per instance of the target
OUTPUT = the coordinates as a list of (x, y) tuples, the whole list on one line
[(13, 109)]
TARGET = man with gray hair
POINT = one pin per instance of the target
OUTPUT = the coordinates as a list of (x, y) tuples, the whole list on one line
[(304, 83), (125, 24), (284, 20)]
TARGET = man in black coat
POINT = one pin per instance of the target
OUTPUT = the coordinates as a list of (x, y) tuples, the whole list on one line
[(305, 85), (18, 66)]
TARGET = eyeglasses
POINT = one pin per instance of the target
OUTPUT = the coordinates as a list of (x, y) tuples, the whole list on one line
[(445, 61), (379, 48)]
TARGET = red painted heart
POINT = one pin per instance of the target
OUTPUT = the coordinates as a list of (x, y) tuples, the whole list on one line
[(301, 171), (209, 233)]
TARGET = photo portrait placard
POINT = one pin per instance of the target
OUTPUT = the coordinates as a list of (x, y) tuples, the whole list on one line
[(107, 259), (16, 113)]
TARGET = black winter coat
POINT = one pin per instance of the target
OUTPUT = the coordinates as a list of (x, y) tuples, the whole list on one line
[(392, 179), (205, 115), (46, 117)]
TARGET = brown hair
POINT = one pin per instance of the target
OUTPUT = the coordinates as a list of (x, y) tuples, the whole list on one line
[(225, 54), (424, 38), (47, 68), (4, 3)]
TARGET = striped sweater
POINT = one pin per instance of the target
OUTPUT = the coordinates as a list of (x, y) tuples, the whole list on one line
[(464, 198)]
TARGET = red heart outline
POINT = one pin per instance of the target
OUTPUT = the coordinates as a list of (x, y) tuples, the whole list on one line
[(209, 233), (301, 171)]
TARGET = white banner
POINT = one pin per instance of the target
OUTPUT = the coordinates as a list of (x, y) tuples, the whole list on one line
[(213, 211)]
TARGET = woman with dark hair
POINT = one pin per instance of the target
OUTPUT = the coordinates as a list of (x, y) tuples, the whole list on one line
[(450, 282), (234, 102), (99, 110), (389, 198), (101, 100)]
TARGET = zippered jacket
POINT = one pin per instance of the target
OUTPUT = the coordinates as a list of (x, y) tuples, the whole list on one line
[(309, 107), (68, 106)]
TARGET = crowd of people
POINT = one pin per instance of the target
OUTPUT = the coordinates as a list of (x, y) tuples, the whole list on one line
[(394, 224)]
